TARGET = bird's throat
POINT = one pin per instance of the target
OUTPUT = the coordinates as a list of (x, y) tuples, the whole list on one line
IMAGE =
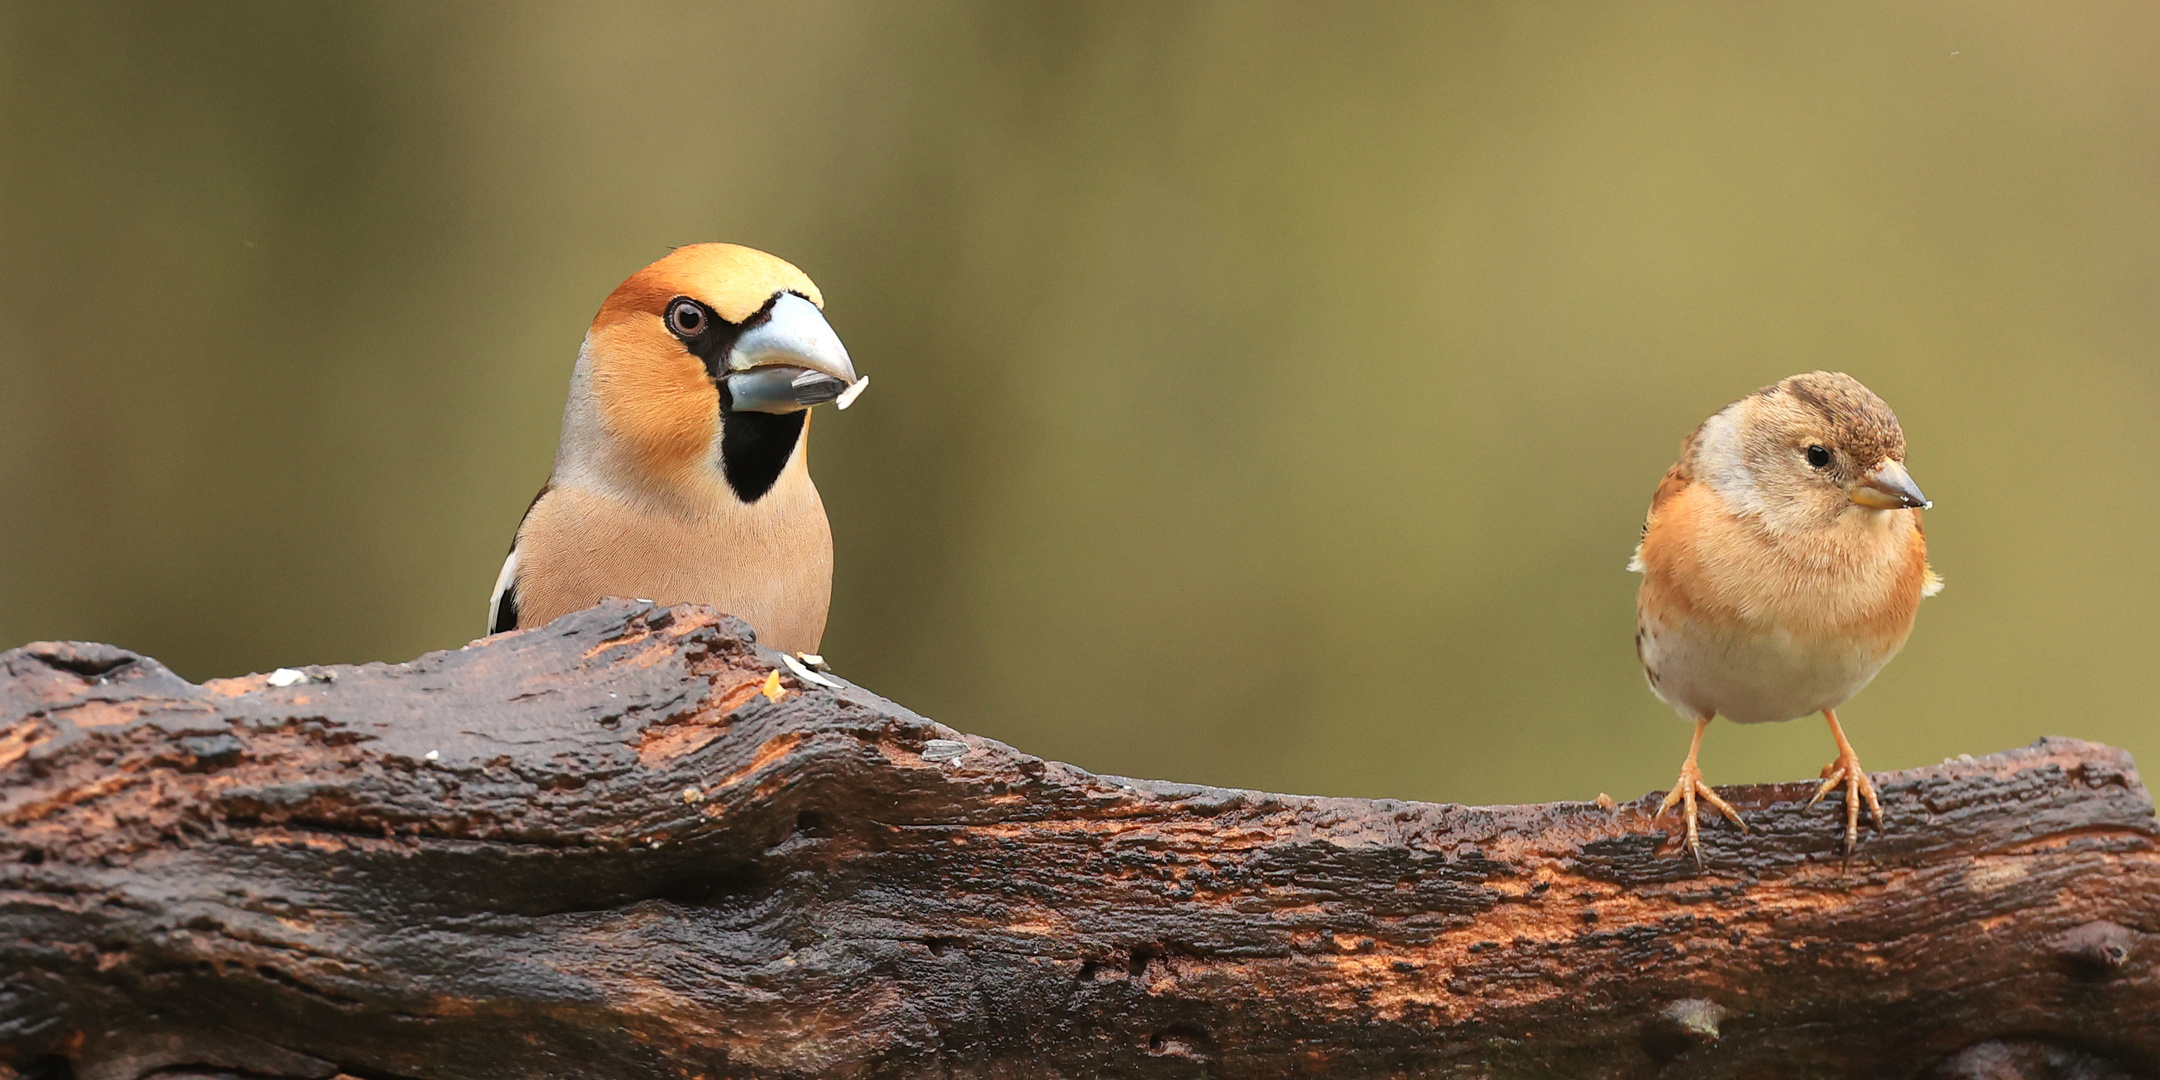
[(755, 447)]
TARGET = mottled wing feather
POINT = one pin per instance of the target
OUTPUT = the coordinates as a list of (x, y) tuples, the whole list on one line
[(1680, 475)]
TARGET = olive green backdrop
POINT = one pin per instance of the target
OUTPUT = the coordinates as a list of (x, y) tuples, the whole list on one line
[(1266, 394)]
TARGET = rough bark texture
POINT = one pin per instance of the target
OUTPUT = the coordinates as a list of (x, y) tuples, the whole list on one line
[(597, 849)]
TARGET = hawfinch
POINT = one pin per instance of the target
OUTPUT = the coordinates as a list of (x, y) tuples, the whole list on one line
[(1783, 562), (682, 474)]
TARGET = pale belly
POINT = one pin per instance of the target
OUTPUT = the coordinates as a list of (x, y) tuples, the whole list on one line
[(1760, 675)]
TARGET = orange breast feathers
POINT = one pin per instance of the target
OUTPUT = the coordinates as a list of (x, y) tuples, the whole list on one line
[(1862, 577)]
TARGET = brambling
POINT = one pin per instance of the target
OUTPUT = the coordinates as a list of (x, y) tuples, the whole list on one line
[(1783, 561), (682, 473)]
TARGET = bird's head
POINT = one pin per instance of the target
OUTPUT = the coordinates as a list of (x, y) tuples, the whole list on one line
[(712, 357), (1806, 451)]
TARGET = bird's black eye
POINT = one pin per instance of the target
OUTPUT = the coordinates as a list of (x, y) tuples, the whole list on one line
[(1818, 457), (686, 318)]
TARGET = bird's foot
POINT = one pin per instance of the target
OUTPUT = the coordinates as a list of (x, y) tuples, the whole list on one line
[(1685, 791), (1846, 772)]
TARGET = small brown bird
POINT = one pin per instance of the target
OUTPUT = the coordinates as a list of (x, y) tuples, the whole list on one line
[(1783, 562), (682, 474)]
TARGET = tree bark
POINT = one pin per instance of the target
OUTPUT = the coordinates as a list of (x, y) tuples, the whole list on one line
[(601, 849)]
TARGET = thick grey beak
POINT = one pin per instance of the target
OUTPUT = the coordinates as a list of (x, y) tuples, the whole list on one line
[(789, 362), (1890, 487)]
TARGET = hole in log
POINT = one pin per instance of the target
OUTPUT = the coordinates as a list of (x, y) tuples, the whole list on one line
[(33, 856), (589, 883), (2097, 950), (711, 888), (1182, 1040), (1136, 965), (808, 828), (1089, 970), (939, 946)]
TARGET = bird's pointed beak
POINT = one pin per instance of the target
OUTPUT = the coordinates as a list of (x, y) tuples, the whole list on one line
[(789, 362), (1889, 487)]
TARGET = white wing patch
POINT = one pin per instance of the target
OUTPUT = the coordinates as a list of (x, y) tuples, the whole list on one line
[(1634, 564), (502, 585), (1932, 583)]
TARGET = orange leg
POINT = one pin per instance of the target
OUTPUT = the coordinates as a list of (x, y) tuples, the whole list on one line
[(1690, 787), (1846, 771)]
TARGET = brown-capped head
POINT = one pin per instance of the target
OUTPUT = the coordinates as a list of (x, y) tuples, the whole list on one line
[(1807, 450)]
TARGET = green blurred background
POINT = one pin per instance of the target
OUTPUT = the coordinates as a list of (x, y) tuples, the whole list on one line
[(1267, 394)]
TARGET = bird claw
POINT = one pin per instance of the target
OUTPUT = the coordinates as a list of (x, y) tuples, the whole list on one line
[(1846, 772), (1685, 791)]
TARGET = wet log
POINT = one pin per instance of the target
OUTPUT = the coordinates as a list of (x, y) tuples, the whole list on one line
[(619, 846)]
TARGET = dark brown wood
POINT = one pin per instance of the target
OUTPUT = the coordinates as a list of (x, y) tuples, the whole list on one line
[(598, 849)]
